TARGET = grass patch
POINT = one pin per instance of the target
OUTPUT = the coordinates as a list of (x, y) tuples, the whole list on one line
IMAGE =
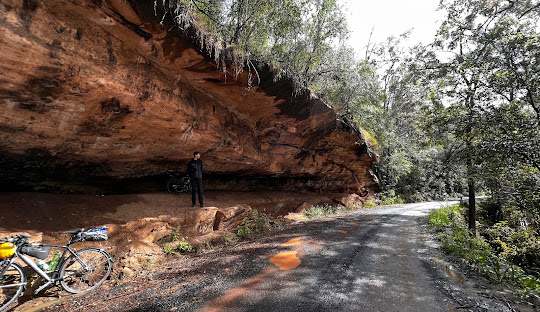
[(318, 211), (369, 204), (327, 210), (178, 247)]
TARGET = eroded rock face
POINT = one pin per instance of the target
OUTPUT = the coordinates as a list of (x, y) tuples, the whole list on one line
[(93, 92)]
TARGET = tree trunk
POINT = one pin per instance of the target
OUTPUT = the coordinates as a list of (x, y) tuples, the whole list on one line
[(472, 197), (472, 207)]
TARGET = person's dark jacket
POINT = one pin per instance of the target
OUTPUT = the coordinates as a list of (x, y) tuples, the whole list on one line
[(194, 169)]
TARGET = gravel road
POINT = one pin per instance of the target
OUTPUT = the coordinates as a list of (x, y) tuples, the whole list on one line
[(378, 259)]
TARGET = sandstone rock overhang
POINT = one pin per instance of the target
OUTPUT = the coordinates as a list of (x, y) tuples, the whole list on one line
[(100, 93)]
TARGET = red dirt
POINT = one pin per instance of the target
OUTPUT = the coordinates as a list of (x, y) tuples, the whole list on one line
[(137, 221)]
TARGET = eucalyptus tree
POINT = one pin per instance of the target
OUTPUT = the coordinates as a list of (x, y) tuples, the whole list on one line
[(461, 70), (515, 61), (483, 60), (294, 36)]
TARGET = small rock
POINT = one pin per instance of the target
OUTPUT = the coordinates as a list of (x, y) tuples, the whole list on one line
[(127, 272), (303, 208)]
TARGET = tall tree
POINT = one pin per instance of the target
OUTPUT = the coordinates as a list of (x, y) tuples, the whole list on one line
[(483, 53)]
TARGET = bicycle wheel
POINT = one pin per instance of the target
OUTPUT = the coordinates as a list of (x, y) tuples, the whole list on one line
[(186, 184), (86, 273), (12, 283), (174, 186)]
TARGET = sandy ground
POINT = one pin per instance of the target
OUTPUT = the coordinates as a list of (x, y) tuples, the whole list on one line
[(137, 221), (49, 214)]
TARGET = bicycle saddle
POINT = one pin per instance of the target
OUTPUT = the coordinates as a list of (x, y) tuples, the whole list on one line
[(74, 231)]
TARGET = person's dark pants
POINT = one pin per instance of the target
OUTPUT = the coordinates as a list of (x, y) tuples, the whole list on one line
[(196, 186)]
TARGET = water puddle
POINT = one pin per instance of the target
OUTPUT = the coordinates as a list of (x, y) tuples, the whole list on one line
[(353, 223), (450, 271), (293, 242), (342, 231), (286, 260)]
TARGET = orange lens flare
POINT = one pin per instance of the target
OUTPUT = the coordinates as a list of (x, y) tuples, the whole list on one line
[(286, 260), (293, 242)]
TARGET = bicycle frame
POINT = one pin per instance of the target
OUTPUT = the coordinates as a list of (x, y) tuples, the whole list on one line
[(55, 274)]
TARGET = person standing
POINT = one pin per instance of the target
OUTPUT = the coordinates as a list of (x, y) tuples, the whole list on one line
[(194, 170)]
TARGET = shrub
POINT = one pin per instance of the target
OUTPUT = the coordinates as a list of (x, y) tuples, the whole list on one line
[(520, 246), (184, 246), (244, 230), (448, 217), (389, 198), (478, 252), (169, 249), (369, 204), (321, 211), (256, 223), (175, 234)]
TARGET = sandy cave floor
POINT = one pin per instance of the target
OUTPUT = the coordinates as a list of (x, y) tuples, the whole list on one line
[(50, 214), (136, 221)]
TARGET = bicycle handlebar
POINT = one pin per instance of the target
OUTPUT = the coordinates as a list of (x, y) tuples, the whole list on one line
[(15, 239)]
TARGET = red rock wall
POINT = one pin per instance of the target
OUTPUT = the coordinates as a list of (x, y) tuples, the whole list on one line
[(99, 90)]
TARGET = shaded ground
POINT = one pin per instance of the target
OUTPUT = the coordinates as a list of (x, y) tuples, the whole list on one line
[(41, 214), (137, 221), (379, 259)]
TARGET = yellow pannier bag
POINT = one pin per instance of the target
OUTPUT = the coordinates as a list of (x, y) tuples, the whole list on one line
[(7, 250)]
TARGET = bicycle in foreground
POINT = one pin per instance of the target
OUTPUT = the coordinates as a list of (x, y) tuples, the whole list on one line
[(77, 271)]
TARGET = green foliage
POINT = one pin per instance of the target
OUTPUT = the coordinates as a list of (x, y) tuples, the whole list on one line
[(175, 234), (478, 252), (175, 247), (296, 36), (318, 211), (369, 204), (518, 245), (327, 210), (184, 246), (169, 249), (389, 198), (372, 142), (244, 230), (448, 217), (256, 224)]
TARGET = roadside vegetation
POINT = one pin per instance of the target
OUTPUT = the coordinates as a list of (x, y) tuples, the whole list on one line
[(326, 210), (500, 252)]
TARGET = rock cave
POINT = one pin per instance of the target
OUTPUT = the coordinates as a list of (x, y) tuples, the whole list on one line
[(101, 96)]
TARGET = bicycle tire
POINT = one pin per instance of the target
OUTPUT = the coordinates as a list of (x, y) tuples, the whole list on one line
[(14, 274), (186, 184), (76, 279), (174, 186)]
